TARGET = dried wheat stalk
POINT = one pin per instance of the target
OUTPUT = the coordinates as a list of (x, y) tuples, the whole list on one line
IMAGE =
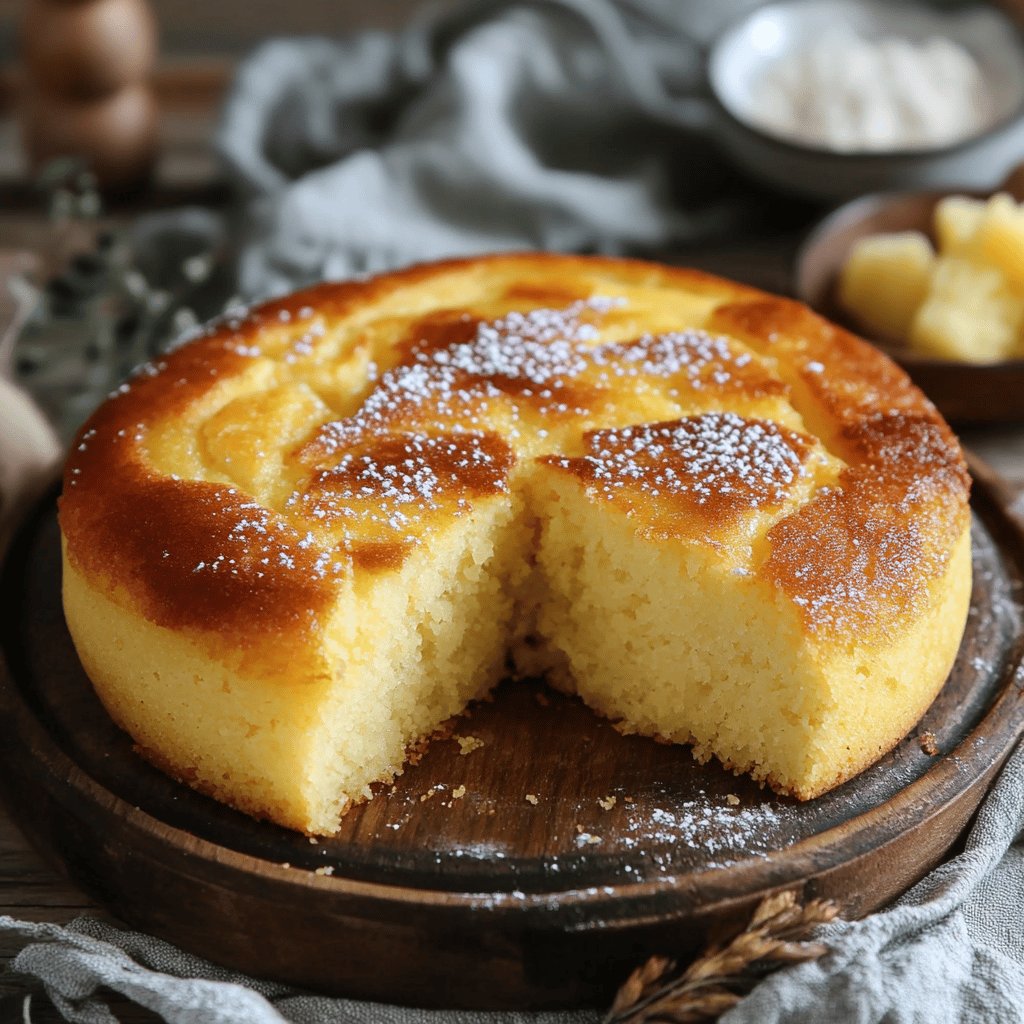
[(777, 934)]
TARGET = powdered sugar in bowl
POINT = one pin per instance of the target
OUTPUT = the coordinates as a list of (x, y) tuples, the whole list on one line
[(832, 98)]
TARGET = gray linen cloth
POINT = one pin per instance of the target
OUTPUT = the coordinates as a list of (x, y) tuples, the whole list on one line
[(565, 125), (557, 124)]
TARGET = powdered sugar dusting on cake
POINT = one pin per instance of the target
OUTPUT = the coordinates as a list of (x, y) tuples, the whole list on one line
[(690, 354), (552, 363), (399, 480), (716, 457), (540, 346), (437, 430), (545, 359), (540, 349), (428, 434), (258, 543)]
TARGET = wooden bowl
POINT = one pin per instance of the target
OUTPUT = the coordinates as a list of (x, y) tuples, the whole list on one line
[(963, 392)]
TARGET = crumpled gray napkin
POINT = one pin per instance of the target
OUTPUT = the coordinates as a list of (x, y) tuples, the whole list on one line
[(951, 951), (548, 124), (74, 962)]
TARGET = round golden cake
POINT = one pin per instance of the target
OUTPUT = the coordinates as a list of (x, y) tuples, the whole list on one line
[(302, 541)]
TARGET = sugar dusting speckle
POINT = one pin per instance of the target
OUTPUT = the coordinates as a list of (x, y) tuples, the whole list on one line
[(396, 484), (424, 438), (728, 831), (715, 456), (541, 349)]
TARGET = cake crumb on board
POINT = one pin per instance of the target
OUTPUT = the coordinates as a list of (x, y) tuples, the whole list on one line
[(531, 798), (467, 744), (606, 802)]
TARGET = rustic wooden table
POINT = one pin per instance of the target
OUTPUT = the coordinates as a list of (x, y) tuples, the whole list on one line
[(762, 255)]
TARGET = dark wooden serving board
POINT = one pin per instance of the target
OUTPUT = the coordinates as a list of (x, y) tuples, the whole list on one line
[(531, 888)]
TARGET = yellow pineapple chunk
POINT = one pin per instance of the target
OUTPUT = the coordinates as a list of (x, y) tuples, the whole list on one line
[(884, 281), (969, 314), (957, 219), (999, 239)]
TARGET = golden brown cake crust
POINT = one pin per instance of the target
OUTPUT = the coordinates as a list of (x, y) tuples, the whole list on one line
[(689, 477), (847, 557), (858, 554)]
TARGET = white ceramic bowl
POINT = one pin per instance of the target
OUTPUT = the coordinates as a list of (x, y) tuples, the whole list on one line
[(740, 55)]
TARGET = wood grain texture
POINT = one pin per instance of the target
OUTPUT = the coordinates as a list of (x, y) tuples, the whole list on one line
[(30, 890), (492, 899), (190, 27)]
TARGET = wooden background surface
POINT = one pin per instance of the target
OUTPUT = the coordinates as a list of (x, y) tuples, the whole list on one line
[(193, 28), (201, 41)]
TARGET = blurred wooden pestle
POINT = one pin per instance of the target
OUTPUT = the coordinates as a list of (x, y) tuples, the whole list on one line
[(86, 88)]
